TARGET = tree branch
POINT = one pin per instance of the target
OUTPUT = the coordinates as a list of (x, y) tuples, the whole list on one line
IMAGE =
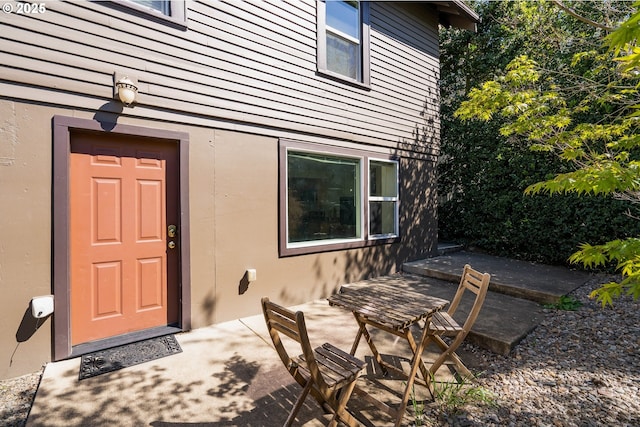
[(580, 17)]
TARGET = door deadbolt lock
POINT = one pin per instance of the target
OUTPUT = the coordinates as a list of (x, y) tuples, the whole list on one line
[(171, 230), (171, 244)]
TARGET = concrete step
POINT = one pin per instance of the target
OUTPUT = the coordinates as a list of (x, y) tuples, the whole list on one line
[(544, 284), (448, 247), (517, 290)]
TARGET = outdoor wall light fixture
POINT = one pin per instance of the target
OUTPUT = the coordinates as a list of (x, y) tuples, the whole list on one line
[(126, 90)]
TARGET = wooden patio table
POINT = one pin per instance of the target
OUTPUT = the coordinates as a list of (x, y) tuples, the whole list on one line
[(394, 311)]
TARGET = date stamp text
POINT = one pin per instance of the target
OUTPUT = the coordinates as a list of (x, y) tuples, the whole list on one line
[(24, 8)]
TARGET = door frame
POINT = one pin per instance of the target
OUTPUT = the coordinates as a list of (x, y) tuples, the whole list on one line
[(63, 127)]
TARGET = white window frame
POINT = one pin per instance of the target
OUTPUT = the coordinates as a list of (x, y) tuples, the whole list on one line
[(177, 11), (364, 45), (360, 238), (395, 199)]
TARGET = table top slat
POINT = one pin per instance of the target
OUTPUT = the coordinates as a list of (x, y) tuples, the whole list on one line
[(374, 309), (396, 308), (411, 303)]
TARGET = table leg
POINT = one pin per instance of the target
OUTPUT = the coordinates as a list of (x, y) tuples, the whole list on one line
[(426, 375), (416, 363), (363, 331), (356, 342)]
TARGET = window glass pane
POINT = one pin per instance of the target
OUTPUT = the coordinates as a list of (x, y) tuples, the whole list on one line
[(162, 6), (383, 179), (343, 57), (344, 16), (323, 197), (382, 218)]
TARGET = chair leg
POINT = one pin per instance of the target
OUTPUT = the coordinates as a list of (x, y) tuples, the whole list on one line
[(448, 352), (298, 404), (341, 412), (466, 373)]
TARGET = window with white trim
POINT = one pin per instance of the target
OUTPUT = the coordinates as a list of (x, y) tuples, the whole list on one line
[(383, 198), (334, 198), (343, 40), (171, 11), (162, 6)]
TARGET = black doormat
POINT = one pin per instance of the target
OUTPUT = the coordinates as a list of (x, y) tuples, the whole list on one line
[(112, 359)]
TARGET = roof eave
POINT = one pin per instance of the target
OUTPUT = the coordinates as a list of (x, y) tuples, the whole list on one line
[(456, 13)]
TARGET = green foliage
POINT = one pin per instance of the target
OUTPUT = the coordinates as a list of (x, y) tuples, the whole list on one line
[(453, 396), (565, 302), (561, 127), (625, 255), (418, 408), (625, 38), (542, 118)]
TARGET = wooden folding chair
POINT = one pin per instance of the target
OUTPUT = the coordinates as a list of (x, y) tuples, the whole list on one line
[(443, 324), (327, 372)]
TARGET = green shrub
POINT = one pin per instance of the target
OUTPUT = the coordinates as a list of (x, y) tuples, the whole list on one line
[(452, 396), (483, 205), (565, 302)]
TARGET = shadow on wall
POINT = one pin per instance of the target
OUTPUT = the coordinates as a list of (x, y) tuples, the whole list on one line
[(208, 306), (417, 217), (418, 182), (107, 115), (29, 325), (248, 278), (418, 210)]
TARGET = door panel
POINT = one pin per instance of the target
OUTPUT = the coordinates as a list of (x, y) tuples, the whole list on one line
[(107, 282), (123, 195)]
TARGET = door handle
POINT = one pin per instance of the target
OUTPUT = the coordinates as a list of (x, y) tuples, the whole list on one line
[(171, 244), (172, 230)]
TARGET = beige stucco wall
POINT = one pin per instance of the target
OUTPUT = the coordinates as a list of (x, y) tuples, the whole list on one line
[(246, 236), (233, 186), (25, 243)]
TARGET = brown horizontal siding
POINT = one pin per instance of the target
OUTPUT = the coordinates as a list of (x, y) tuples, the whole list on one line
[(54, 49), (402, 20), (275, 19), (253, 79), (49, 81), (305, 81), (407, 70), (247, 61)]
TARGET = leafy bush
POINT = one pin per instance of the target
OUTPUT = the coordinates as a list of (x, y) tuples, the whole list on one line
[(483, 173)]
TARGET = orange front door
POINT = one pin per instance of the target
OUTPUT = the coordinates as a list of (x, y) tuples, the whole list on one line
[(123, 197)]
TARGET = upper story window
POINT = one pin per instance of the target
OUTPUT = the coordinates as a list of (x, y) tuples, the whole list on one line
[(172, 11), (333, 198), (162, 6), (343, 40)]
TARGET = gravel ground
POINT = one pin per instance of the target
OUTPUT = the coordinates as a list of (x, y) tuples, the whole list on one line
[(16, 398), (578, 368)]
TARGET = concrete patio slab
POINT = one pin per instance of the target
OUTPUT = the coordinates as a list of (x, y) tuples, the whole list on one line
[(229, 374)]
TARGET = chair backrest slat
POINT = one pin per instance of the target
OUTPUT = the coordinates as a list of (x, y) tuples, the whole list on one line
[(286, 330), (476, 282), (283, 321), (292, 324), (473, 281)]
